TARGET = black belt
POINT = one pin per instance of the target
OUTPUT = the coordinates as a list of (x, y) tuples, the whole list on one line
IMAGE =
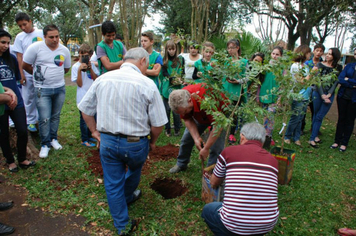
[(124, 135)]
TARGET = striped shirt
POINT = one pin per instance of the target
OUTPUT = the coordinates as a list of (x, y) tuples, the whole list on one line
[(250, 203), (125, 101)]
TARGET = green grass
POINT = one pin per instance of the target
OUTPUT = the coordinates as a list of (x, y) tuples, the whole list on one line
[(319, 200)]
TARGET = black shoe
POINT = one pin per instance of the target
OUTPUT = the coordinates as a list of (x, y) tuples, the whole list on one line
[(342, 150), (5, 230), (14, 170), (176, 133), (6, 205), (313, 146), (136, 195), (318, 141), (23, 166)]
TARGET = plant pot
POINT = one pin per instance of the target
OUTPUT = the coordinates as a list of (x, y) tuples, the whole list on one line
[(208, 194), (285, 164)]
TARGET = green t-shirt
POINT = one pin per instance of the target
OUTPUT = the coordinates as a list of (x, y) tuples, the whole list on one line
[(153, 57), (234, 90), (203, 67), (268, 89), (166, 83), (114, 54), (2, 106)]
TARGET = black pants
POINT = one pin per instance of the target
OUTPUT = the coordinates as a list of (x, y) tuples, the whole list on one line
[(345, 124), (18, 116)]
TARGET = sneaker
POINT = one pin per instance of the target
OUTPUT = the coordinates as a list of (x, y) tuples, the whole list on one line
[(232, 139), (44, 151), (168, 134), (87, 144), (12, 125), (55, 144), (176, 169), (176, 133), (31, 128)]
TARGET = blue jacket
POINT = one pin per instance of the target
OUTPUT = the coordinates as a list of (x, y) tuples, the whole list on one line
[(348, 72)]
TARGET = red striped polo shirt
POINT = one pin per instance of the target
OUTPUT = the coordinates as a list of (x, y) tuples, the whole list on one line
[(250, 203)]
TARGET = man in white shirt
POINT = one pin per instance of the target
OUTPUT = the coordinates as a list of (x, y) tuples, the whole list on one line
[(129, 108), (22, 41), (189, 60), (48, 61)]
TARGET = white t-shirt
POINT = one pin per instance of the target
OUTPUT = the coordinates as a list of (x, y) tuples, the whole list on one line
[(48, 65), (86, 78), (189, 65), (24, 40)]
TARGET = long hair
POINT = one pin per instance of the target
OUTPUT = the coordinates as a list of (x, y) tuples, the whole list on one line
[(302, 52), (9, 61), (166, 58), (236, 42), (335, 52)]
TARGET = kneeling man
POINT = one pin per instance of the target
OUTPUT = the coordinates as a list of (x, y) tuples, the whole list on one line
[(250, 205)]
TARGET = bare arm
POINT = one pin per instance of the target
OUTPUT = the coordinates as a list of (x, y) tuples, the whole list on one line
[(12, 102), (66, 70), (204, 153), (215, 181), (154, 71), (193, 130), (155, 132), (20, 60), (27, 67), (110, 65)]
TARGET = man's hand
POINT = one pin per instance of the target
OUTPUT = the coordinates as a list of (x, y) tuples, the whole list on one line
[(96, 135), (203, 154), (13, 103), (23, 80), (83, 66), (199, 143)]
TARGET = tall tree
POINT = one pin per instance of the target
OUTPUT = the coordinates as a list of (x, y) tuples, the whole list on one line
[(132, 16), (299, 16)]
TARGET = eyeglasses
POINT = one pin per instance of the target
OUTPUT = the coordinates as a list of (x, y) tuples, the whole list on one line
[(231, 48)]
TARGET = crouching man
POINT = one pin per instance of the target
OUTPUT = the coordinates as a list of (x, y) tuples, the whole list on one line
[(250, 205)]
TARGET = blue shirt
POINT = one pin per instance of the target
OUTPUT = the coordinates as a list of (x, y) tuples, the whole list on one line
[(9, 78), (348, 72)]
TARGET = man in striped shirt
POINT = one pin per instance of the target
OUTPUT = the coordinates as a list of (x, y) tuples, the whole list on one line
[(129, 108), (250, 205)]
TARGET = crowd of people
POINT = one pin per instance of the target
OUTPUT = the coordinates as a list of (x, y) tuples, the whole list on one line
[(125, 100)]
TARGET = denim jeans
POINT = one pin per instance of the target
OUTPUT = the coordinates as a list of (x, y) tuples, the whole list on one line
[(49, 102), (85, 133), (320, 110), (346, 121), (211, 217), (176, 118), (18, 116), (187, 144), (295, 123), (115, 154)]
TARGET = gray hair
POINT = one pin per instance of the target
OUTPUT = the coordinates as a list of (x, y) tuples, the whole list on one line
[(178, 98), (254, 131), (137, 54)]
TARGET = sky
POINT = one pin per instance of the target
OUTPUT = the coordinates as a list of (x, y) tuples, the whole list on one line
[(153, 21)]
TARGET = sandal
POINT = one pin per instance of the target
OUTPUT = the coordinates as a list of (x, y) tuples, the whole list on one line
[(334, 146), (24, 166), (342, 149), (298, 143), (87, 144), (287, 141)]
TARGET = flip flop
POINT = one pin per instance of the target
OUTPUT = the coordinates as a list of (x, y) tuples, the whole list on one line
[(347, 232), (87, 144)]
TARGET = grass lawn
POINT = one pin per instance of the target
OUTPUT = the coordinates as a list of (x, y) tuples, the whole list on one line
[(319, 200)]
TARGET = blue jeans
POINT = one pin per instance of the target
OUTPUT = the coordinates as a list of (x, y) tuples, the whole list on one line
[(212, 218), (187, 144), (85, 133), (295, 123), (115, 154), (49, 102), (320, 110)]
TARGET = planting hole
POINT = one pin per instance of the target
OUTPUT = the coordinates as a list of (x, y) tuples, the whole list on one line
[(169, 188)]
